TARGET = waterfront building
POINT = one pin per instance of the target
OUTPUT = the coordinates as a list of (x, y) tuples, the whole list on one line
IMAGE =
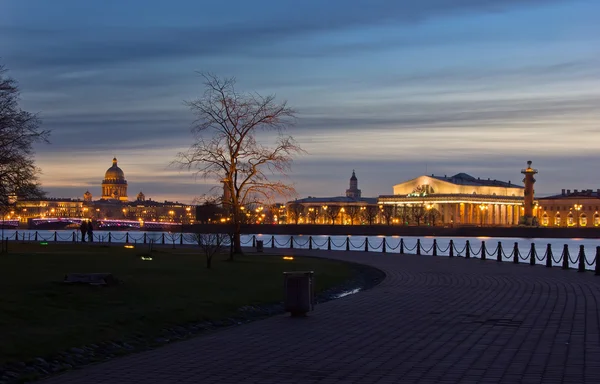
[(113, 205), (577, 208), (349, 209), (460, 199)]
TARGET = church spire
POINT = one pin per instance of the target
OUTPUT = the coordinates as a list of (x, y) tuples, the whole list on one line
[(353, 191)]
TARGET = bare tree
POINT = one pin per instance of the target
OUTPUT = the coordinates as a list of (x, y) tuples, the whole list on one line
[(210, 243), (404, 213), (332, 212), (388, 211), (312, 214), (295, 210), (417, 213), (353, 211), (227, 148), (370, 213), (19, 130)]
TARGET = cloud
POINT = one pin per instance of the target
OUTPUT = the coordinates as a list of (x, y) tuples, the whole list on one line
[(99, 44)]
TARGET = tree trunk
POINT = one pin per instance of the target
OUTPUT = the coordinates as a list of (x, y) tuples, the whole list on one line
[(237, 235)]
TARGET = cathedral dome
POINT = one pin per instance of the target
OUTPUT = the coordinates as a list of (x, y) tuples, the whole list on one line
[(114, 172)]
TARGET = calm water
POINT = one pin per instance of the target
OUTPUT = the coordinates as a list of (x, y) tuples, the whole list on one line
[(357, 243)]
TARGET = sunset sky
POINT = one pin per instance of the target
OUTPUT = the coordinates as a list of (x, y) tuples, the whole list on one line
[(392, 89)]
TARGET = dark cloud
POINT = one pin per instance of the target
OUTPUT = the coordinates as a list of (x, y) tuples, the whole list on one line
[(63, 46)]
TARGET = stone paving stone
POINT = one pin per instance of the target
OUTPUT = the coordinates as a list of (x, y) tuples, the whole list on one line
[(432, 320)]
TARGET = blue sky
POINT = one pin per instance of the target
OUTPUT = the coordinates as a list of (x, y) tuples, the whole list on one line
[(392, 89)]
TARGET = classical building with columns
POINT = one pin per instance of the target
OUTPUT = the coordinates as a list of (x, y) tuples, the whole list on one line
[(457, 200)]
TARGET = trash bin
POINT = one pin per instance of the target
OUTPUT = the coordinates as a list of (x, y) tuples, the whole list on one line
[(299, 289), (259, 245)]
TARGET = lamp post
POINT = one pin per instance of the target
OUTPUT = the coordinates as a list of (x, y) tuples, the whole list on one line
[(577, 208), (483, 208)]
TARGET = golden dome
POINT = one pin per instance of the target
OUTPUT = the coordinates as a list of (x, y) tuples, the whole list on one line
[(114, 173)]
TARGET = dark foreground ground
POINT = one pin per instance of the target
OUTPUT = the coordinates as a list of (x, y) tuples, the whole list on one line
[(432, 320)]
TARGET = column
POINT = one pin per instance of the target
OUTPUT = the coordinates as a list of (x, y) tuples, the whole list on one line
[(456, 218)]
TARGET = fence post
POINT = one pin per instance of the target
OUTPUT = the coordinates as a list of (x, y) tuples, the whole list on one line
[(329, 243), (597, 261), (36, 235), (418, 246), (467, 250), (109, 237), (516, 253), (549, 255), (532, 256), (347, 243), (451, 247), (126, 237), (383, 246), (309, 242), (163, 238), (291, 242), (581, 259), (272, 241), (366, 244), (74, 238), (565, 256), (55, 236), (17, 236), (402, 246), (483, 256), (144, 237), (434, 252), (253, 241), (181, 239), (499, 252)]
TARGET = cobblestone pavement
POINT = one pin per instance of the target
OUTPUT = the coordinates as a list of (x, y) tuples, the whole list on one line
[(432, 320)]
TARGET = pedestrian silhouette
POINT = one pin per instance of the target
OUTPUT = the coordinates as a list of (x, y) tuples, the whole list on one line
[(83, 228), (90, 232)]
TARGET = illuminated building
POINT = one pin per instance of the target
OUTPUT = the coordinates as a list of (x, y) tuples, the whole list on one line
[(114, 185), (349, 209), (570, 209), (425, 200), (456, 200), (113, 205)]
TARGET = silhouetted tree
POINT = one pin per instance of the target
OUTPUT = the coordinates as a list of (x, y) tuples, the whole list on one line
[(295, 210), (370, 213), (353, 212), (388, 211), (19, 130), (331, 213), (226, 148), (417, 213)]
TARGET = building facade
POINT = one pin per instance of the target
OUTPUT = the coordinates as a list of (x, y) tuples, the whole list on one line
[(456, 200), (577, 208), (113, 205), (351, 209)]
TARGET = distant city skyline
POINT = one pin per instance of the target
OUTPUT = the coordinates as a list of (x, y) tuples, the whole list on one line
[(392, 90)]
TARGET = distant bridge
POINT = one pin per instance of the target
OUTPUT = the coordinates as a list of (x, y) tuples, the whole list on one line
[(58, 221)]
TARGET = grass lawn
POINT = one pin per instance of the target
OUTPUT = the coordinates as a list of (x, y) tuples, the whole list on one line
[(40, 315)]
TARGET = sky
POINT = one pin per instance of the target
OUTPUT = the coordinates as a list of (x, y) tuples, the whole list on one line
[(391, 89)]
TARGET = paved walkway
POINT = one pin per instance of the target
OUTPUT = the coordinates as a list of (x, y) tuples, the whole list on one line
[(432, 320)]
